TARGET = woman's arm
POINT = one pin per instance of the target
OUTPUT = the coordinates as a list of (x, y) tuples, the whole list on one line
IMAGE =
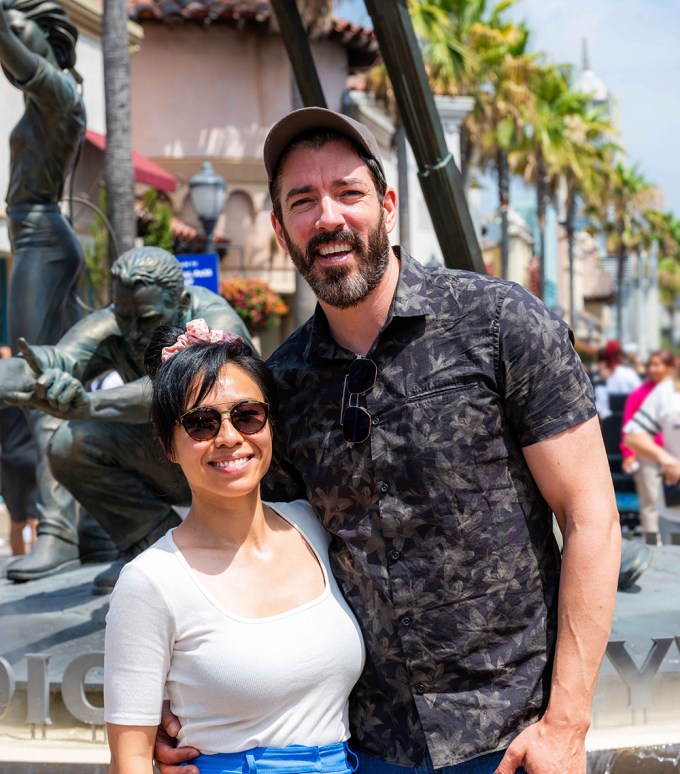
[(131, 748), (18, 60)]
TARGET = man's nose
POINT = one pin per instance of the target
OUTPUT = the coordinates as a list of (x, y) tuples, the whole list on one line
[(330, 217)]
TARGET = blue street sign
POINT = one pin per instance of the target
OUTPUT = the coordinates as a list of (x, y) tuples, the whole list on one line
[(201, 269)]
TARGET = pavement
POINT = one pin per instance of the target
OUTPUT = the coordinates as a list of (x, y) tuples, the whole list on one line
[(637, 703)]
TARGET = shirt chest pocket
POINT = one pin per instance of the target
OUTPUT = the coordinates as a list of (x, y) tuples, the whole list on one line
[(458, 430)]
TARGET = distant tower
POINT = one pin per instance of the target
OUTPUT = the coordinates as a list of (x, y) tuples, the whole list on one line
[(590, 83)]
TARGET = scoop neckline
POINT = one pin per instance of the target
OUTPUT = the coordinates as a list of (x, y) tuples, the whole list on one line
[(265, 619)]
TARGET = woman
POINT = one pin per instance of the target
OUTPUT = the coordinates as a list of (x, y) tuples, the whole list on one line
[(37, 47), (660, 413), (646, 473), (234, 614)]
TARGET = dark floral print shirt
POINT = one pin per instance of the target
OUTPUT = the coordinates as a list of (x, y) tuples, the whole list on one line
[(442, 542)]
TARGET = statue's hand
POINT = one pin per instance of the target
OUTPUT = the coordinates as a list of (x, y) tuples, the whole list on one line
[(64, 393), (30, 356), (57, 393)]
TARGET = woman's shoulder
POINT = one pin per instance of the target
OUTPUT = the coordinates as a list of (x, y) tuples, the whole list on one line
[(303, 516), (152, 563)]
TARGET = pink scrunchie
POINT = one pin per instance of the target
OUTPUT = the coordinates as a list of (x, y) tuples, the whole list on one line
[(198, 333)]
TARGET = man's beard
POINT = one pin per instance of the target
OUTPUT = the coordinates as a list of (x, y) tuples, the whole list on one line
[(343, 286)]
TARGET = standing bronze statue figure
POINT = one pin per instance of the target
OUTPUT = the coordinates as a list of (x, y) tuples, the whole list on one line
[(37, 51)]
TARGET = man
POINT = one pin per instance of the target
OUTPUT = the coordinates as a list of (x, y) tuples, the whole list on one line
[(104, 454), (435, 419)]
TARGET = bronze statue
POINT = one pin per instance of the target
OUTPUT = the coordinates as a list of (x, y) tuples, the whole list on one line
[(104, 453), (37, 51)]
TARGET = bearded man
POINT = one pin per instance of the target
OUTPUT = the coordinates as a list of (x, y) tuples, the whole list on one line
[(436, 419)]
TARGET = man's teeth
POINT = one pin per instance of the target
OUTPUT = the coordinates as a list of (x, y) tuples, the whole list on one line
[(341, 247), (232, 465)]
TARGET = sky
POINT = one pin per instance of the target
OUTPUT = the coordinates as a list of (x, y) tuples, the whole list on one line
[(633, 46)]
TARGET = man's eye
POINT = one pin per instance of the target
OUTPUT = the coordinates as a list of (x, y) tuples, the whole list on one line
[(300, 202)]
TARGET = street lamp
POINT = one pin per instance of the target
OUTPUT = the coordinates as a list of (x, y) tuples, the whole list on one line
[(207, 191)]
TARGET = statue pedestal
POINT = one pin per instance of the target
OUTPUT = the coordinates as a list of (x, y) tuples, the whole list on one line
[(51, 675), (51, 652)]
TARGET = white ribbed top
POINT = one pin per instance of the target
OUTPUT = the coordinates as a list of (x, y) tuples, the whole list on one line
[(233, 682)]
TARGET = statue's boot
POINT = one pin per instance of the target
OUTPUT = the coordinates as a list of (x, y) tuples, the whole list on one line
[(106, 580), (635, 559), (50, 555), (95, 544)]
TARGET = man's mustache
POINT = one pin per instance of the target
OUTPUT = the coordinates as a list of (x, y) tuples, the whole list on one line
[(324, 238)]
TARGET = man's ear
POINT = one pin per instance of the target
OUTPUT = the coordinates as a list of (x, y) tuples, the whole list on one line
[(278, 230), (389, 205)]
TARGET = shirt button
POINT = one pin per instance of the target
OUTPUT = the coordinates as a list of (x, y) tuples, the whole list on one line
[(384, 488), (405, 621), (376, 421), (420, 689), (394, 555)]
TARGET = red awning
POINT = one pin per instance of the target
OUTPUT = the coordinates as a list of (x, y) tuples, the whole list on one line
[(146, 171)]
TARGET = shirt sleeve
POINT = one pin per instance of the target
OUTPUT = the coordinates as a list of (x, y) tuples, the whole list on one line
[(51, 90), (138, 646), (545, 386), (648, 418)]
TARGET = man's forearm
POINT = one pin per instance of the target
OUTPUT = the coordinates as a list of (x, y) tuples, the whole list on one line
[(587, 598)]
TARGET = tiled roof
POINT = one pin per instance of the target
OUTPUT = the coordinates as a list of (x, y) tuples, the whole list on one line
[(360, 41)]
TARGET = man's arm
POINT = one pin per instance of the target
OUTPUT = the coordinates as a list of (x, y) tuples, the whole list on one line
[(572, 472)]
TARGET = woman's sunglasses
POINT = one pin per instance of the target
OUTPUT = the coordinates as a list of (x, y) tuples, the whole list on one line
[(203, 422)]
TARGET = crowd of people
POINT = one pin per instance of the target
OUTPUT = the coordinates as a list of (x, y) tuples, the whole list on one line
[(637, 400)]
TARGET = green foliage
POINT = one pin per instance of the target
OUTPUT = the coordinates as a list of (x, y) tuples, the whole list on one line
[(97, 257), (158, 228)]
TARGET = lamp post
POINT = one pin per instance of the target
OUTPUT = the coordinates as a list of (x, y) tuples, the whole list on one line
[(207, 191)]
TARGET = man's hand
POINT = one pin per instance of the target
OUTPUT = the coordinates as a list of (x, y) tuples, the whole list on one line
[(546, 748), (165, 752)]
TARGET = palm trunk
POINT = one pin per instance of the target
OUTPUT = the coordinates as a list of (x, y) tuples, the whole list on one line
[(571, 216), (620, 271), (118, 169), (541, 196), (504, 197)]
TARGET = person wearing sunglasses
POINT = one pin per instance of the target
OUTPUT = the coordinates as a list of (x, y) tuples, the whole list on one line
[(435, 420), (234, 614)]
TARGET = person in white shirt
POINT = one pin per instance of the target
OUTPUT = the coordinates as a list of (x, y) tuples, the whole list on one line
[(622, 378), (234, 615), (660, 413)]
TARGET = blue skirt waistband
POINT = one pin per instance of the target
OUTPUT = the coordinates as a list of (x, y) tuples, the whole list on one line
[(294, 759)]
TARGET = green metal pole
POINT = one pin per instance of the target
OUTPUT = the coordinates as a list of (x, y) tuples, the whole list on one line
[(296, 41), (440, 179)]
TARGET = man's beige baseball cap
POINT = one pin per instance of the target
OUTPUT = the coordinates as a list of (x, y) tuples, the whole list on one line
[(308, 119)]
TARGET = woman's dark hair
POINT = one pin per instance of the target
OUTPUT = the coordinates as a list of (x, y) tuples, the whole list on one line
[(666, 357), (190, 375)]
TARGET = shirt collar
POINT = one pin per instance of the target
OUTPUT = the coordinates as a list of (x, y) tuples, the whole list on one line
[(410, 300)]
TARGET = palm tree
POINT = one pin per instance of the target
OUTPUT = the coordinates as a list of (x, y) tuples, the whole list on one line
[(627, 196), (666, 234), (118, 169)]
